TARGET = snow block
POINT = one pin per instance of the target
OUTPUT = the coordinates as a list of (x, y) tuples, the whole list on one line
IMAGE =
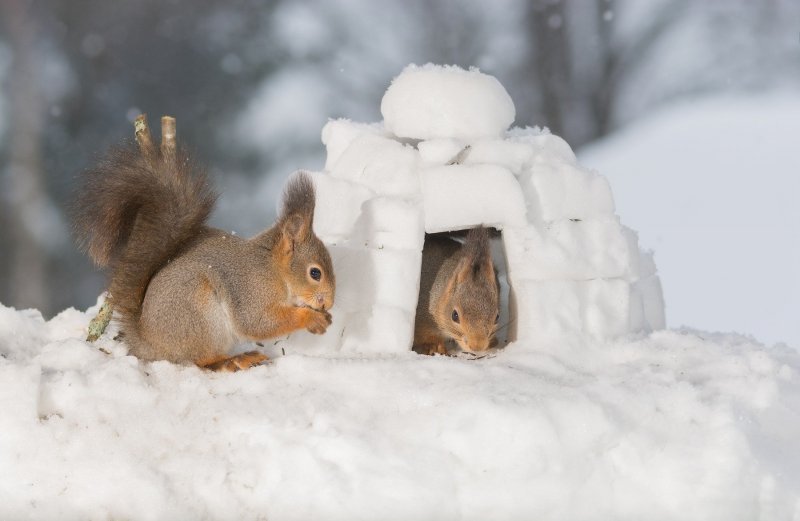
[(457, 197), (567, 249), (382, 329), (605, 308), (380, 164), (647, 301), (559, 190), (637, 320), (390, 222), (376, 301), (439, 151), (515, 156), (651, 294), (366, 277), (446, 102), (647, 264), (543, 142), (338, 206), (553, 309), (635, 269), (337, 135)]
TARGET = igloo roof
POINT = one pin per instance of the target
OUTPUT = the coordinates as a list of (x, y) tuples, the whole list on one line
[(444, 159)]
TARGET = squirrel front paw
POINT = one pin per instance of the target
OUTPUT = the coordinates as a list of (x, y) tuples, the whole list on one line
[(317, 321), (438, 349), (435, 348)]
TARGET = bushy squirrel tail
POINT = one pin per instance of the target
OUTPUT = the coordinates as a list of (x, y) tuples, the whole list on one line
[(134, 213)]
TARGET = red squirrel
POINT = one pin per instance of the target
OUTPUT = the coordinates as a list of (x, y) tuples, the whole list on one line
[(186, 292), (459, 295)]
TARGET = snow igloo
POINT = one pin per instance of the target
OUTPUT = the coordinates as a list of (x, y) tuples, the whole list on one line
[(444, 159)]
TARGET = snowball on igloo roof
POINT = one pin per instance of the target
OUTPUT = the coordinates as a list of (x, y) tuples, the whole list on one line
[(434, 101)]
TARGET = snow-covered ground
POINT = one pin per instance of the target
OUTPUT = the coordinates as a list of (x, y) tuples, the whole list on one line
[(675, 425), (712, 186), (564, 423)]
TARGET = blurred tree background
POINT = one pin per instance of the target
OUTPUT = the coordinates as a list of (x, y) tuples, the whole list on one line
[(252, 83)]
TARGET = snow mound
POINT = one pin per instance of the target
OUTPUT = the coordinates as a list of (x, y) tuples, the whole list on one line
[(572, 269), (677, 425), (437, 102)]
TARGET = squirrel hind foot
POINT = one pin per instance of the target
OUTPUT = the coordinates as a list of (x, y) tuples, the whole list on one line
[(235, 363)]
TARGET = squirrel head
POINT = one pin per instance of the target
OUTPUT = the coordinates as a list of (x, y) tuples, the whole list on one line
[(468, 309), (307, 264)]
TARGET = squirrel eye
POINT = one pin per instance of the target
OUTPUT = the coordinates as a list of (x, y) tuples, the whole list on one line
[(497, 318), (455, 316), (315, 273)]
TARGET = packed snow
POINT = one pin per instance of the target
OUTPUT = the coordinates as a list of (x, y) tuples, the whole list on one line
[(432, 101), (712, 185), (675, 425), (592, 411)]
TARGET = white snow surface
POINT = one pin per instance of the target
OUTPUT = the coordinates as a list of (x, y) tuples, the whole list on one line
[(711, 185), (674, 425), (434, 101)]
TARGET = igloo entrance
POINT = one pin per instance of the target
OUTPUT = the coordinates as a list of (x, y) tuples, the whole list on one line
[(497, 253), (443, 159)]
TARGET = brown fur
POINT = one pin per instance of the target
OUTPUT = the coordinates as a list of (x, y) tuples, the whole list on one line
[(183, 291), (461, 278)]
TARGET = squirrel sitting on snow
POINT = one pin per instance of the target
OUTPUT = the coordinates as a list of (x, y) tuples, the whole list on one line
[(459, 295), (186, 292)]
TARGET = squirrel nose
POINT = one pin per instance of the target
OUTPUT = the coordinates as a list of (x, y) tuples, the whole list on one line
[(321, 301), (478, 343)]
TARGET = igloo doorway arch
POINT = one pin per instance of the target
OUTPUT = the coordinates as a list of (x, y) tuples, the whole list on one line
[(443, 160)]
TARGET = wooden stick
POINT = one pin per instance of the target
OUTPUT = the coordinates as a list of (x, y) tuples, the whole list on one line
[(142, 133), (99, 323), (168, 132)]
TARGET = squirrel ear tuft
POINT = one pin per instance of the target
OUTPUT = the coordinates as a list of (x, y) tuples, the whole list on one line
[(295, 228), (484, 270), (476, 270), (463, 270), (477, 256), (297, 214), (299, 197)]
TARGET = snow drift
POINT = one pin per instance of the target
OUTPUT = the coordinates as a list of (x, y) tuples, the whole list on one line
[(676, 425)]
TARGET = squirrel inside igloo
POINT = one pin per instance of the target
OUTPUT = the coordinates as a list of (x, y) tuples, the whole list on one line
[(444, 159)]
